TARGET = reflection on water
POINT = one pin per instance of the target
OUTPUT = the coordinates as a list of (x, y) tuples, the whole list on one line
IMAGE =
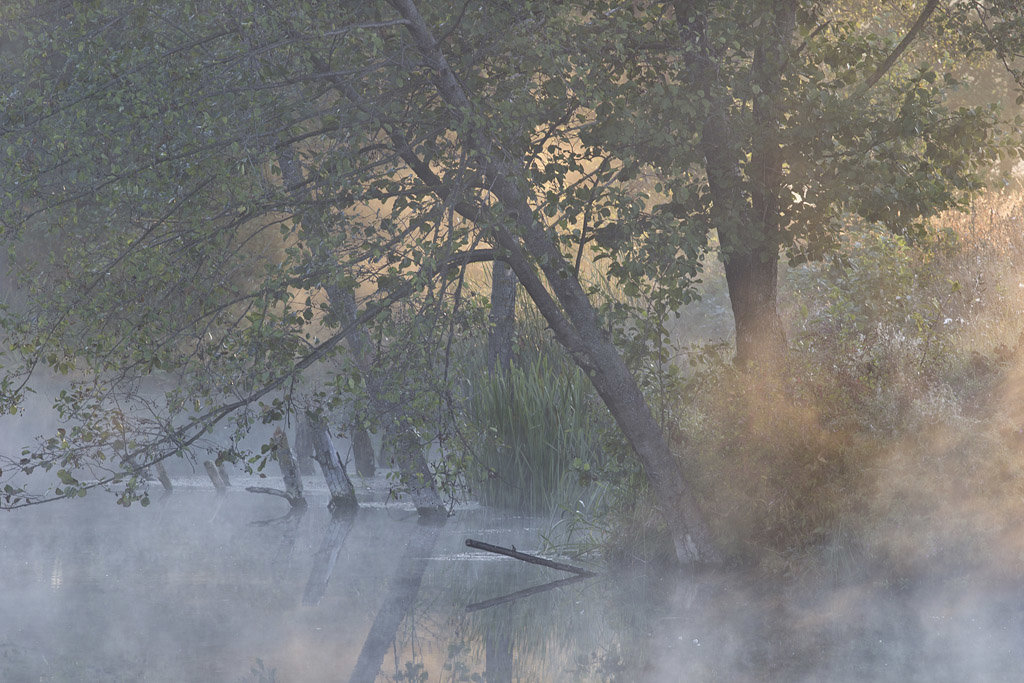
[(200, 587)]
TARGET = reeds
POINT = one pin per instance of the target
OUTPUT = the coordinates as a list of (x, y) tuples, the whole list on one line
[(539, 436)]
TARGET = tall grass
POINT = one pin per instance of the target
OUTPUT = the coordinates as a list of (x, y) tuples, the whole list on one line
[(538, 432), (539, 436)]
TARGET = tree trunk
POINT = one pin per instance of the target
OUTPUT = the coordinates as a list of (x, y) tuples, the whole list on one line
[(753, 283), (362, 448), (502, 318), (303, 446), (289, 469), (406, 449), (214, 475), (745, 209), (343, 494), (748, 243)]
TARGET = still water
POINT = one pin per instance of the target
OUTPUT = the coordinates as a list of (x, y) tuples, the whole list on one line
[(208, 587)]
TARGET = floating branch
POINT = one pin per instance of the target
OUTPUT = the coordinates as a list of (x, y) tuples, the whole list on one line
[(532, 559)]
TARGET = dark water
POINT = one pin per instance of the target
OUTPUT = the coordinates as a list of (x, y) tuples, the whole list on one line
[(195, 588)]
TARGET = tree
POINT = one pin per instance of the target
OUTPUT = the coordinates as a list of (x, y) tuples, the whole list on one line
[(144, 145), (766, 121)]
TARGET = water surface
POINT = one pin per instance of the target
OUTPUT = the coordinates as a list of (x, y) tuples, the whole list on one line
[(206, 587)]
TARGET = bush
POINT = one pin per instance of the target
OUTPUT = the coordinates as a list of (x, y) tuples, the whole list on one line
[(889, 434)]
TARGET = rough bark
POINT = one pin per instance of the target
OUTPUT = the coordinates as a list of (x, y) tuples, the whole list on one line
[(161, 474), (211, 472), (752, 278), (362, 448), (404, 443), (289, 472), (289, 469), (572, 317), (343, 494), (502, 318), (223, 472)]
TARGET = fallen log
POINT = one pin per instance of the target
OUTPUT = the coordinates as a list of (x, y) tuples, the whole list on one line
[(532, 559)]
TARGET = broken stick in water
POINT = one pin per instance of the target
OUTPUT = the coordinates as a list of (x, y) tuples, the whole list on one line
[(532, 559)]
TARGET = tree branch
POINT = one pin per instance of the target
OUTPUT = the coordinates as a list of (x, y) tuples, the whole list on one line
[(912, 34)]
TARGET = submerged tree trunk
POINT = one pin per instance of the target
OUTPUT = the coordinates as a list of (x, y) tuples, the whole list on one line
[(411, 460), (343, 494), (214, 475), (303, 446), (289, 473), (502, 318), (406, 447), (161, 474), (289, 469), (362, 448)]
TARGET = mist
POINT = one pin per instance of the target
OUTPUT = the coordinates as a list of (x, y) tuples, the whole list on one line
[(409, 341)]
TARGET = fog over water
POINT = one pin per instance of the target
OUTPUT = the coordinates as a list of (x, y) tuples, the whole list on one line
[(207, 587)]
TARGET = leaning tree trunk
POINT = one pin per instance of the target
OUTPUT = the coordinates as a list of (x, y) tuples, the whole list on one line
[(406, 447), (570, 314)]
